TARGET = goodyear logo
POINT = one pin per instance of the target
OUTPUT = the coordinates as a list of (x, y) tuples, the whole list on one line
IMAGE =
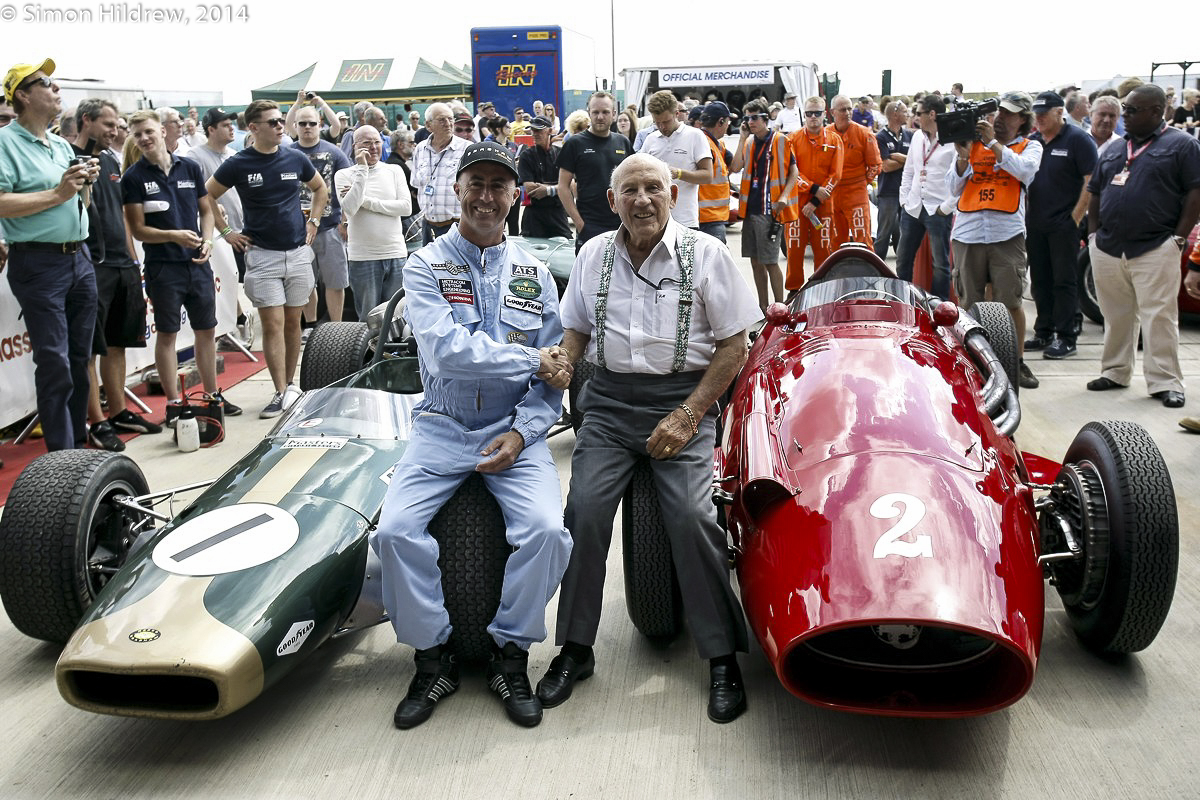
[(143, 635), (516, 75)]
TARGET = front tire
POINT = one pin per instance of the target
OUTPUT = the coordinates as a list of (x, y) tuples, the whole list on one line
[(62, 537), (1001, 332), (1118, 599)]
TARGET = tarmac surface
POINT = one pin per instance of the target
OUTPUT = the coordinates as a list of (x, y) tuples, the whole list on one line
[(1090, 727)]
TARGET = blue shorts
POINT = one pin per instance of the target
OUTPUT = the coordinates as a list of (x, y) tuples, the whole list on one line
[(174, 284)]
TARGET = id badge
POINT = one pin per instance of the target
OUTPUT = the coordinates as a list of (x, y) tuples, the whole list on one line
[(754, 184), (429, 190), (1120, 178)]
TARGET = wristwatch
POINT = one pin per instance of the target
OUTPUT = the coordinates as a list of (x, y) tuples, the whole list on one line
[(1180, 240)]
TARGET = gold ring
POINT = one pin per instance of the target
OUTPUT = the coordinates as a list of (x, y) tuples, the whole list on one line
[(668, 449)]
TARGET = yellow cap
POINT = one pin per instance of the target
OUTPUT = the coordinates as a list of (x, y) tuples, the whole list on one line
[(19, 72)]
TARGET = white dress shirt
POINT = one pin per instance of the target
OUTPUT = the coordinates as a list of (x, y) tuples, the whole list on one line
[(923, 182), (643, 312)]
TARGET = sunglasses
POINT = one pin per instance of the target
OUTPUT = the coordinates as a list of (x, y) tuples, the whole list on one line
[(463, 128), (307, 123), (43, 80), (1133, 109), (758, 116), (814, 113), (274, 122)]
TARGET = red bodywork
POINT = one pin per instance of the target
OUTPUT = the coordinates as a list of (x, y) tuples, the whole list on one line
[(873, 498)]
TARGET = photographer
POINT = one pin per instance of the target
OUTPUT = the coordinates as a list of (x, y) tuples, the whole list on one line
[(42, 201), (990, 177)]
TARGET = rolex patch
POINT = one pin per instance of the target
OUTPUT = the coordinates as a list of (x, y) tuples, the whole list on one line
[(525, 287), (516, 337), (524, 272), (457, 290), (453, 269), (522, 304)]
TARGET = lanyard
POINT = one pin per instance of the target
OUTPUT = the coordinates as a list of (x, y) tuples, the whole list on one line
[(1130, 155), (929, 151), (434, 167), (762, 158)]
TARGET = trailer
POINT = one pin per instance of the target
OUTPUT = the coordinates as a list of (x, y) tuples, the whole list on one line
[(513, 66), (734, 84)]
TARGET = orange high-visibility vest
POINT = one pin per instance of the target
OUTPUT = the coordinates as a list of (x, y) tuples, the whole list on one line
[(991, 189), (714, 197), (779, 162)]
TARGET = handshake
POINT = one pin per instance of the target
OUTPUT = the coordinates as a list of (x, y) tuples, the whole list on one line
[(556, 367)]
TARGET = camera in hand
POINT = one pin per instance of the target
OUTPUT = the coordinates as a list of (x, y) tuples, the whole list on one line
[(958, 126), (85, 160)]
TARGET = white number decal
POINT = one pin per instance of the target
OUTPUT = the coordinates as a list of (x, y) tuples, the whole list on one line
[(890, 544)]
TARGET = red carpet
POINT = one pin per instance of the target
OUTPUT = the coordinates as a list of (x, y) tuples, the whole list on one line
[(17, 456)]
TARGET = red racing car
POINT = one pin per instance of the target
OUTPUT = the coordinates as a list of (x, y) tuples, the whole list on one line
[(891, 541)]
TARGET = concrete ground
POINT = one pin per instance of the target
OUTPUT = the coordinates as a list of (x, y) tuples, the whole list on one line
[(1089, 728)]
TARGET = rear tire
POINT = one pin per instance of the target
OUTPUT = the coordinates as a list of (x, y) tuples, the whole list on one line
[(1119, 601), (62, 537), (334, 350), (474, 550), (1001, 332), (651, 585)]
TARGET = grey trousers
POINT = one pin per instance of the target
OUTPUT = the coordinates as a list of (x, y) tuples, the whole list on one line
[(620, 412)]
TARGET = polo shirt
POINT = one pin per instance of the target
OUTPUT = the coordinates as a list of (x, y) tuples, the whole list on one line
[(889, 143), (1066, 160), (27, 164), (1139, 215), (592, 159), (327, 159), (269, 186), (106, 240), (684, 148), (171, 202)]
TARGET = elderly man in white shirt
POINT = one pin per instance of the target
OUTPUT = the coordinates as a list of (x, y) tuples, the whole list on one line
[(375, 199), (925, 200), (661, 364)]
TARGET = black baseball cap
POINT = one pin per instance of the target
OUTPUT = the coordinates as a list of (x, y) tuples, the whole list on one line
[(540, 122), (714, 111), (1048, 100), (487, 151), (215, 116)]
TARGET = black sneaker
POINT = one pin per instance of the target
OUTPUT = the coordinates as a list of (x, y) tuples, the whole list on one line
[(436, 677), (273, 408), (134, 423), (103, 437), (1027, 379), (508, 677), (229, 408), (1059, 348), (1036, 343)]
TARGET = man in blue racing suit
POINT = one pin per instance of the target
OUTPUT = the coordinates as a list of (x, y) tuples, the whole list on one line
[(485, 314)]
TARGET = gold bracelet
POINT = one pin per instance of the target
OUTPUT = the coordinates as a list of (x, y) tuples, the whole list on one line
[(691, 417)]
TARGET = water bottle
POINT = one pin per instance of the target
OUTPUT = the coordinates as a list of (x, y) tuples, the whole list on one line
[(187, 434)]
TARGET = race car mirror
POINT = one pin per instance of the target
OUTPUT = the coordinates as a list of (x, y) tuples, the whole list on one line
[(946, 314)]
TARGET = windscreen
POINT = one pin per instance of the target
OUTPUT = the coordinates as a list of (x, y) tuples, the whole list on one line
[(874, 287), (337, 411)]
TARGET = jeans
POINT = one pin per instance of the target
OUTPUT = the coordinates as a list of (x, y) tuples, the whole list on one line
[(716, 229), (912, 231), (889, 224), (374, 282)]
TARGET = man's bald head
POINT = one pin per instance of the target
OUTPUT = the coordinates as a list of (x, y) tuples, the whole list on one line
[(1149, 94), (368, 143)]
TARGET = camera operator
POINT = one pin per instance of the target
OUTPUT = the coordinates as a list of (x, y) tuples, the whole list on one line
[(42, 200), (990, 178)]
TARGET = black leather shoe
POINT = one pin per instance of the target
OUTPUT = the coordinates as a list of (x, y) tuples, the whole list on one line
[(1036, 343), (1026, 378), (508, 677), (556, 685), (1170, 399), (437, 677), (726, 694), (1103, 384)]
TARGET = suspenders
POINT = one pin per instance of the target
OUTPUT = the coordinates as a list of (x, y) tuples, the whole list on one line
[(686, 249)]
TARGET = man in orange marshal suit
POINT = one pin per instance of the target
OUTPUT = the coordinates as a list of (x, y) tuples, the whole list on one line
[(818, 154), (861, 163)]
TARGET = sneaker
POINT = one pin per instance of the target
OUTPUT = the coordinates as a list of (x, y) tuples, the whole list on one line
[(134, 423), (273, 408), (1036, 343), (1059, 348), (174, 408), (1026, 378), (508, 678), (229, 408), (103, 437), (291, 394), (304, 336), (436, 677)]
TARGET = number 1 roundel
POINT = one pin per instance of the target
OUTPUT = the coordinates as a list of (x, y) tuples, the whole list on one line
[(227, 540)]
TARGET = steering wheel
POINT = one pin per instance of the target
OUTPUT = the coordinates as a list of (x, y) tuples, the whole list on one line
[(879, 294)]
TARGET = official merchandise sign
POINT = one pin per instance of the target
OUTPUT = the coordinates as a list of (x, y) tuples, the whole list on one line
[(716, 76), (18, 398)]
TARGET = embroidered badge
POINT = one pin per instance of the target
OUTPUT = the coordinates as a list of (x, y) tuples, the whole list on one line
[(457, 290), (521, 304), (453, 269), (525, 287), (516, 337), (524, 272)]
